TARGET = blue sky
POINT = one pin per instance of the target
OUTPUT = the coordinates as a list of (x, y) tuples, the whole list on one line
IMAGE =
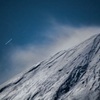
[(31, 30)]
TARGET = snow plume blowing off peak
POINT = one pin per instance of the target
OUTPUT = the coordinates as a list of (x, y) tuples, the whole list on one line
[(72, 74)]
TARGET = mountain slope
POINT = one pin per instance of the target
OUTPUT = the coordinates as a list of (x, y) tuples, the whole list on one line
[(72, 74)]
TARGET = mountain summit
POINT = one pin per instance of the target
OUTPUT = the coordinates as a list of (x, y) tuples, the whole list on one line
[(72, 74)]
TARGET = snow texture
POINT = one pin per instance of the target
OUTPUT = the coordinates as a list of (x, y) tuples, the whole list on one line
[(72, 74)]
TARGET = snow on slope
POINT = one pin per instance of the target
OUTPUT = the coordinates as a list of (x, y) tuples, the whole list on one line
[(72, 74)]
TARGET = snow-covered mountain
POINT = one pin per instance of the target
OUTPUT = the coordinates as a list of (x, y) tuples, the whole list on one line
[(72, 74)]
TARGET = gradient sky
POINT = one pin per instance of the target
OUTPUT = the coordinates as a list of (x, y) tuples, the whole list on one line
[(24, 22)]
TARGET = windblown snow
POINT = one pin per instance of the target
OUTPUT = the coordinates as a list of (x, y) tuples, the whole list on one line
[(72, 74)]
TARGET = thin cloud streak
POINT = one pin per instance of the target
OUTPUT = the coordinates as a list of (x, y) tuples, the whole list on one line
[(8, 41)]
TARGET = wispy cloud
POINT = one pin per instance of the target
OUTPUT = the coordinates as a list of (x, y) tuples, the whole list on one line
[(63, 37)]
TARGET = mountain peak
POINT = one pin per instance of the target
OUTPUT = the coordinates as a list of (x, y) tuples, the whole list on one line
[(72, 74)]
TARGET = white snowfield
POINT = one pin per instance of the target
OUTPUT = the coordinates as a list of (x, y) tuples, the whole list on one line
[(72, 74)]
